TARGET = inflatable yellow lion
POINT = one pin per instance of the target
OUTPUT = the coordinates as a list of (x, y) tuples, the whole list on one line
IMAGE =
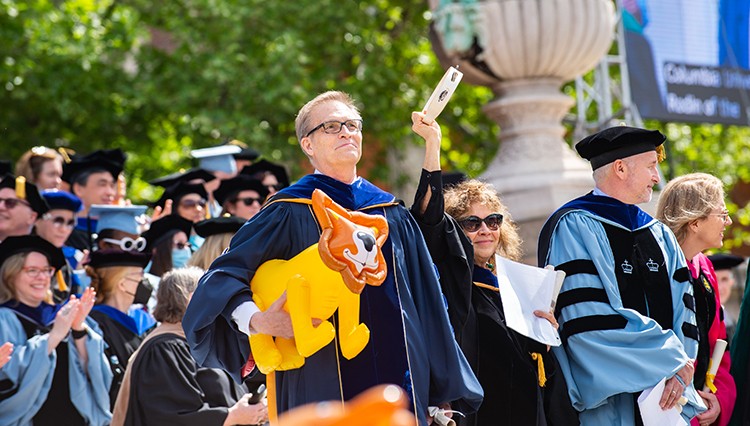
[(326, 276)]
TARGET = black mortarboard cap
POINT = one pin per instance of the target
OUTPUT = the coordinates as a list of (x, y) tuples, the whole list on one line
[(62, 200), (109, 160), (258, 168), (616, 143), (179, 190), (29, 243), (5, 168), (219, 225), (116, 257), (231, 187), (25, 191), (165, 227), (725, 260), (188, 176)]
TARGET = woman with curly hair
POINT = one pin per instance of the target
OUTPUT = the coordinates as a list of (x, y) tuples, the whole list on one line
[(465, 229)]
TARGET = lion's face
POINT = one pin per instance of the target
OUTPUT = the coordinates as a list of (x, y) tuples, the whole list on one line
[(351, 243)]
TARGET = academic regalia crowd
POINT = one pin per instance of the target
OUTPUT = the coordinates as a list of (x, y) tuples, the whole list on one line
[(97, 325)]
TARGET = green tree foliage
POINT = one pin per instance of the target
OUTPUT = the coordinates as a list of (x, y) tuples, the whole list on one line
[(160, 78)]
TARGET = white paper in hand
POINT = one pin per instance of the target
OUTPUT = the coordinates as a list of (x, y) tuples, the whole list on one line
[(651, 411), (441, 95), (525, 289)]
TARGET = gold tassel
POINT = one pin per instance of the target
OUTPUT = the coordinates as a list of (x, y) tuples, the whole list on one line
[(541, 376), (661, 153), (64, 153), (61, 281), (21, 187), (710, 378)]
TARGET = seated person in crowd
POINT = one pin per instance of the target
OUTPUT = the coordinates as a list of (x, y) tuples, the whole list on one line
[(117, 277), (58, 373), (41, 166), (119, 227), (241, 196), (188, 201), (56, 226), (167, 243), (163, 383), (20, 206), (92, 178)]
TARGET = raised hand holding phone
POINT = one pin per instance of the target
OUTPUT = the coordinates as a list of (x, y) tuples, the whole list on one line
[(441, 95)]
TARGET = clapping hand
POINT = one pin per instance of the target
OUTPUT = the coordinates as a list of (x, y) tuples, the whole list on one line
[(86, 302), (6, 350)]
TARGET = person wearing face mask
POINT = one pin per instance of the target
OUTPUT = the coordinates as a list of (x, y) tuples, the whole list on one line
[(117, 277), (167, 242)]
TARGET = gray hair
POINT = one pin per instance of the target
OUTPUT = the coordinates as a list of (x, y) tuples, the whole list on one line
[(174, 292), (302, 124), (688, 198)]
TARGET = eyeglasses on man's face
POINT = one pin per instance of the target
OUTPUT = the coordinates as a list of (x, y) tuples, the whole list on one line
[(473, 223), (59, 221), (34, 272), (11, 203), (127, 243), (333, 127)]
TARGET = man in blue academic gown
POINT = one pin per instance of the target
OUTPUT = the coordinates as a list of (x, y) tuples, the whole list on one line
[(411, 343), (626, 309)]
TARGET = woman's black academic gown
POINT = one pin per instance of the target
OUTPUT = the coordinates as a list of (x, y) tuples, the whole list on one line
[(500, 357)]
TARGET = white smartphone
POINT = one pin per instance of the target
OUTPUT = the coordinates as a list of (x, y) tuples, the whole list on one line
[(441, 95)]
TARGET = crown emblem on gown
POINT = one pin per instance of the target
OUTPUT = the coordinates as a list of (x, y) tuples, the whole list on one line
[(627, 267), (652, 266)]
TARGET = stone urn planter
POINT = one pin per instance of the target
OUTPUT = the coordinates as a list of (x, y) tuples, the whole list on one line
[(525, 50)]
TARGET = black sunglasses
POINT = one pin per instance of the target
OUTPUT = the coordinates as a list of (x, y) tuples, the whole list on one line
[(248, 201), (473, 223)]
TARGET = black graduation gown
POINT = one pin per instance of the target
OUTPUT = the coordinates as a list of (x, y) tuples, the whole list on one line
[(169, 388), (500, 357), (121, 342)]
